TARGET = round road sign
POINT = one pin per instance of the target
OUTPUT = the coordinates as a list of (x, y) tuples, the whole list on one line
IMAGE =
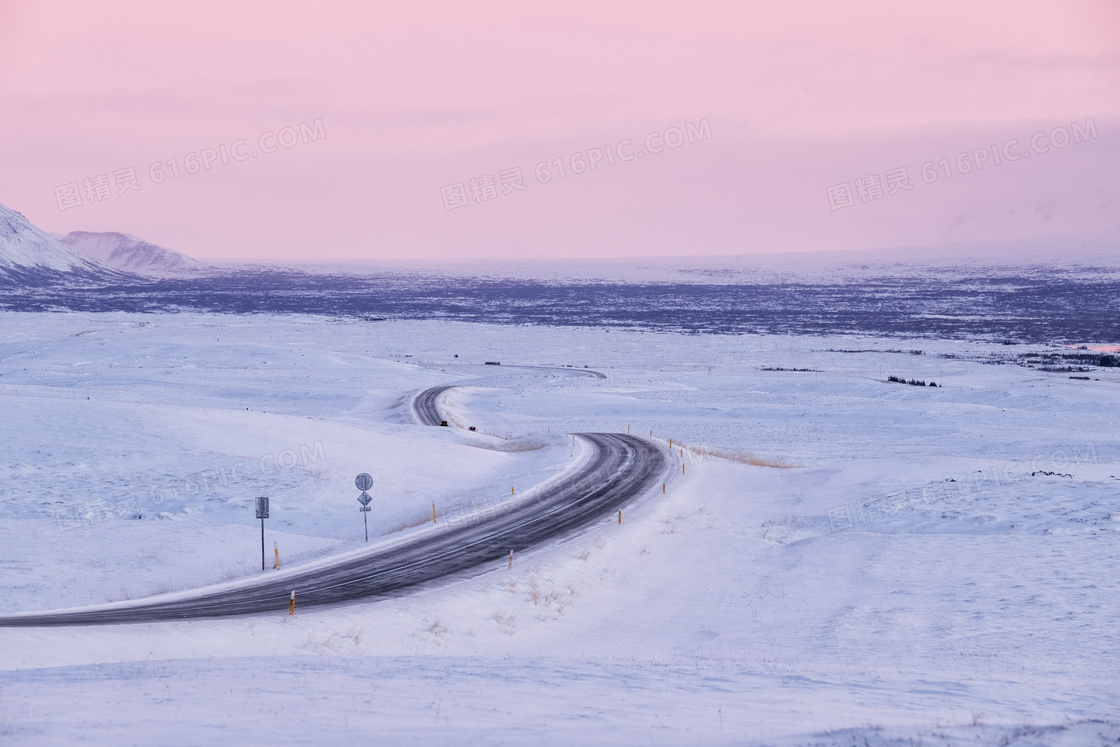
[(363, 481)]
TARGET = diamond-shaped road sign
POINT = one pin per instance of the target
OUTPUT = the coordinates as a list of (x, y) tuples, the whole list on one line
[(364, 498)]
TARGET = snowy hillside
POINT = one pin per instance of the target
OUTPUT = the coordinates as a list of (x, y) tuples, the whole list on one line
[(29, 256), (129, 253), (840, 559)]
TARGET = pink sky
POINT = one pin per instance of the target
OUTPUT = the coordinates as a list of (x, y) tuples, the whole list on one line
[(418, 96)]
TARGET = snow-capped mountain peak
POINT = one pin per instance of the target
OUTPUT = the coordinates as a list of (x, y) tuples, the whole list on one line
[(126, 252), (24, 245), (30, 256)]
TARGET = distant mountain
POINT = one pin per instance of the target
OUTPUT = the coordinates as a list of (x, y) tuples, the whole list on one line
[(129, 253), (31, 257)]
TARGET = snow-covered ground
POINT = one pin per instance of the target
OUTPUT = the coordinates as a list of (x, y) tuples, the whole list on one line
[(878, 561)]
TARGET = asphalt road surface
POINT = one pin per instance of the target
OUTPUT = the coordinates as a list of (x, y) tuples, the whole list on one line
[(620, 468), (426, 405)]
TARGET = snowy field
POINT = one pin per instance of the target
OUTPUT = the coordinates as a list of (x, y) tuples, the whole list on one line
[(844, 560)]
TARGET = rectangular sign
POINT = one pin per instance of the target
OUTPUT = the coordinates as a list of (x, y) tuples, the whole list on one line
[(262, 508)]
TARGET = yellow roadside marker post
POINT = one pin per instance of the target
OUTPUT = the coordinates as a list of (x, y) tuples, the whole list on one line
[(276, 549), (434, 514), (511, 560), (292, 605), (620, 516)]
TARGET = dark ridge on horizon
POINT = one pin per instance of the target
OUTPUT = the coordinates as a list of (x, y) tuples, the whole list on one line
[(1045, 306)]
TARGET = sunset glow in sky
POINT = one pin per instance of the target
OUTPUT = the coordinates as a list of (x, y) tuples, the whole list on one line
[(403, 105)]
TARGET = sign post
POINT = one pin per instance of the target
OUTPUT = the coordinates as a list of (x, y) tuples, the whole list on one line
[(262, 514), (364, 482)]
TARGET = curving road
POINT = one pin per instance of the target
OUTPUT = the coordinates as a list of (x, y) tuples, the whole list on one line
[(619, 469), (425, 405)]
